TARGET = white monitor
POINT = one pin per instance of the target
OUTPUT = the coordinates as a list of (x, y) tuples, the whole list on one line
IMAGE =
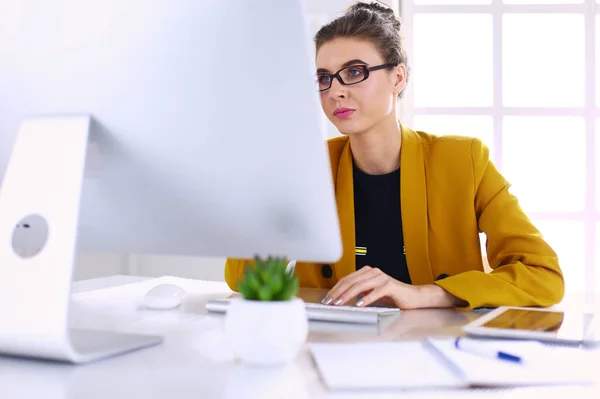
[(189, 127)]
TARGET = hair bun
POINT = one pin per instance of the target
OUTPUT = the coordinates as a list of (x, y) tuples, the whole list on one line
[(380, 9)]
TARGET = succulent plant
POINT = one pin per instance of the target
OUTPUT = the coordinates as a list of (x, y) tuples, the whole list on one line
[(268, 280)]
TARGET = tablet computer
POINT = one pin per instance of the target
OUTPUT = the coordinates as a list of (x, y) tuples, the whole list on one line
[(543, 324)]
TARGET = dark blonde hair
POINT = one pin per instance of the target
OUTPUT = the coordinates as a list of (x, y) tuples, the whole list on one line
[(370, 21)]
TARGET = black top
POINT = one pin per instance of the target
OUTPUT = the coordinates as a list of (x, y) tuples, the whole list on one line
[(378, 223)]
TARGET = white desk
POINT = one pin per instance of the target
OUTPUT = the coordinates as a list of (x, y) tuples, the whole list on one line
[(195, 362)]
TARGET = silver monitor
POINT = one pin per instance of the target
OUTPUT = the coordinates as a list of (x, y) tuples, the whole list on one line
[(189, 127)]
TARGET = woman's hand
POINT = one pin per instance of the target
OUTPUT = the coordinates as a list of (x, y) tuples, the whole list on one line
[(375, 285)]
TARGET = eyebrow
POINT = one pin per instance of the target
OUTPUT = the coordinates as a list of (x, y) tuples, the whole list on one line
[(347, 64)]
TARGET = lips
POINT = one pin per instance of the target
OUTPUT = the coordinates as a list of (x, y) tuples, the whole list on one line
[(343, 113)]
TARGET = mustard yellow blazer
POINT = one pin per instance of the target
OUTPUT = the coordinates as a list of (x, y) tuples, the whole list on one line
[(450, 192)]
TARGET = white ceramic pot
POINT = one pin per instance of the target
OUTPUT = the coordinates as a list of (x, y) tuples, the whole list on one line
[(266, 333)]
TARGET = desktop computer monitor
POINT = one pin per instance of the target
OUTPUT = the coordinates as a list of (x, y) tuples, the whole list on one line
[(189, 127)]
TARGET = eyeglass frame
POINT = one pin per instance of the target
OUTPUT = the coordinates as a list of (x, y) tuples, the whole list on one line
[(367, 74)]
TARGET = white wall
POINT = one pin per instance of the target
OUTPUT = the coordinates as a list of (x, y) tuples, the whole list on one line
[(92, 265), (97, 265), (191, 267)]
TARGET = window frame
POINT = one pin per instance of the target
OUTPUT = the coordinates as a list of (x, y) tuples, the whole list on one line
[(589, 111)]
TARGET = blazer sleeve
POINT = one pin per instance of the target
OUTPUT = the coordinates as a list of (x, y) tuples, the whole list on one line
[(526, 270), (234, 269)]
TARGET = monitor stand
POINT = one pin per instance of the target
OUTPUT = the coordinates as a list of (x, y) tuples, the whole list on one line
[(43, 180)]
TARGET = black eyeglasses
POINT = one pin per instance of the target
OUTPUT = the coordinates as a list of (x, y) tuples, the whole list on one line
[(349, 75)]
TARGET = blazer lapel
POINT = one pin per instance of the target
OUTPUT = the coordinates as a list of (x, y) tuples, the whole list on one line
[(413, 200), (345, 205)]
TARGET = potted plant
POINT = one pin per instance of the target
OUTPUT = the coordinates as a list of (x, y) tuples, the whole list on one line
[(268, 324)]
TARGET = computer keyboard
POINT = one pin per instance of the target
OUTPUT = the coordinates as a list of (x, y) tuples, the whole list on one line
[(320, 312), (366, 309)]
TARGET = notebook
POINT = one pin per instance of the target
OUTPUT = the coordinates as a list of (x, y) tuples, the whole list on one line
[(438, 364)]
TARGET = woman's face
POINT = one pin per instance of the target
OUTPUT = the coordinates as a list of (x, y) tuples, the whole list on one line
[(357, 108)]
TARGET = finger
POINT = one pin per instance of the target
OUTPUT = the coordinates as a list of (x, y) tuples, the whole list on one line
[(344, 283), (370, 284), (380, 292)]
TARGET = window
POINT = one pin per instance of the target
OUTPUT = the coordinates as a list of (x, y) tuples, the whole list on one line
[(462, 125), (531, 56), (521, 76), (441, 68), (533, 147)]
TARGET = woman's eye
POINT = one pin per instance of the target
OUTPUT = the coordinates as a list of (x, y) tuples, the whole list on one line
[(355, 72), (325, 79)]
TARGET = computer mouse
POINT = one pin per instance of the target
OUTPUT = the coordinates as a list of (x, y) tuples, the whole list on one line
[(164, 296)]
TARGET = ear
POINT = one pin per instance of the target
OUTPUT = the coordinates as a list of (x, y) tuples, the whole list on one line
[(399, 75)]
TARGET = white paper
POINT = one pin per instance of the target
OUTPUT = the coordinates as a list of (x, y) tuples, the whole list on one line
[(541, 365), (382, 365), (435, 364)]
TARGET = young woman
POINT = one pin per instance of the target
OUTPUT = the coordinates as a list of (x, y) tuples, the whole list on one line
[(412, 204)]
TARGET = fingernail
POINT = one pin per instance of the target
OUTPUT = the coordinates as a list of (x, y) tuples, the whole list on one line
[(338, 301), (360, 303), (326, 301)]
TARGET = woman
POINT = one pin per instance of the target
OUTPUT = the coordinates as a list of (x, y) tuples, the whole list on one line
[(411, 204)]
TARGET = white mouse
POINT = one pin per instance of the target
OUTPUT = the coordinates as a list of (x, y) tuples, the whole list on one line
[(164, 296)]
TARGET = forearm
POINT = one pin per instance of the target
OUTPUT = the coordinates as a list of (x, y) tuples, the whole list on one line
[(433, 296), (508, 285)]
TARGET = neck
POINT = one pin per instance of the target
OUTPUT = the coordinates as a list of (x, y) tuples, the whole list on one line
[(377, 151)]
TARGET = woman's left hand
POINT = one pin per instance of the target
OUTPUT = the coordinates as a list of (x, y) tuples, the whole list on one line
[(375, 285)]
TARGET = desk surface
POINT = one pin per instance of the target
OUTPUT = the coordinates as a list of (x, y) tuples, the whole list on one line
[(195, 362)]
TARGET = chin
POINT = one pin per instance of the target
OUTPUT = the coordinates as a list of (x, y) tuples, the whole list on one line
[(348, 127)]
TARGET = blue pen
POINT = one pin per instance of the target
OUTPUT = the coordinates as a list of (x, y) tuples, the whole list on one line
[(481, 348)]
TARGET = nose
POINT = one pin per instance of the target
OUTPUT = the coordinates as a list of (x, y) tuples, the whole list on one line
[(337, 90)]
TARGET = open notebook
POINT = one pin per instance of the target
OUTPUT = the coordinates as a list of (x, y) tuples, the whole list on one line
[(438, 364)]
